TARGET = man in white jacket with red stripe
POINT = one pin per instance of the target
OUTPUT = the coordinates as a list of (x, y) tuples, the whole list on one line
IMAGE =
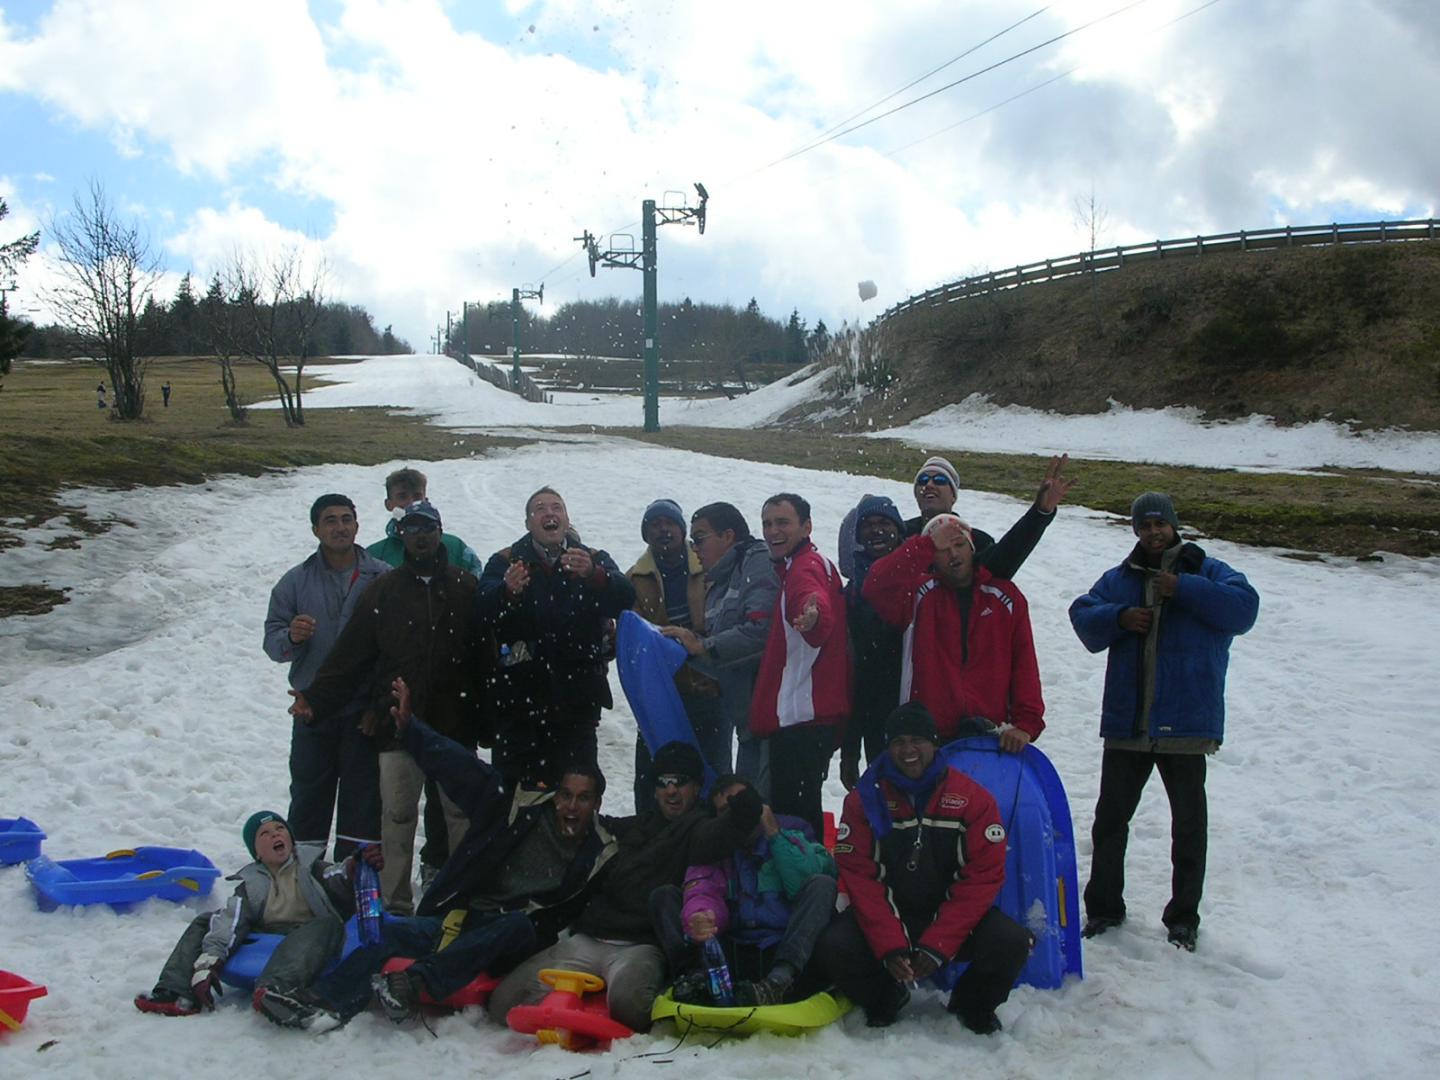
[(802, 693)]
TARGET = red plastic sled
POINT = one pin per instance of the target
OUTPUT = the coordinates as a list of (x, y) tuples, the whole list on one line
[(475, 992), (16, 993), (567, 1017)]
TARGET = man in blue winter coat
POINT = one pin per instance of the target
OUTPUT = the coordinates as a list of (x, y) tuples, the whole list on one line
[(1167, 615)]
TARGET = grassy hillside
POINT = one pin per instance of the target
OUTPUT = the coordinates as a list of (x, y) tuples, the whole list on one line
[(1350, 333)]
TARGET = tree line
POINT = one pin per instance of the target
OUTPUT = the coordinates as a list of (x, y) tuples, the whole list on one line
[(717, 337)]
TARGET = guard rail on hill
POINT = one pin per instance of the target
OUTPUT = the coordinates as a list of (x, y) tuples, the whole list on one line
[(1369, 232), (529, 389)]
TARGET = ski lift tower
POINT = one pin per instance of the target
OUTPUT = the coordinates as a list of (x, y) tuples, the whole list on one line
[(525, 292), (674, 211)]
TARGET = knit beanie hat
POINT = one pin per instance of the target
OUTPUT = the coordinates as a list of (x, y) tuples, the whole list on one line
[(1152, 504), (939, 519), (252, 826), (939, 464), (667, 508), (680, 759), (912, 718)]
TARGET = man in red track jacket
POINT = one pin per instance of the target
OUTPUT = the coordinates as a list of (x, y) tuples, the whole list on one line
[(969, 653), (921, 852), (802, 692)]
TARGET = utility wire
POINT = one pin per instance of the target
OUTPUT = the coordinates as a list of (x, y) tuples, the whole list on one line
[(934, 71), (950, 86)]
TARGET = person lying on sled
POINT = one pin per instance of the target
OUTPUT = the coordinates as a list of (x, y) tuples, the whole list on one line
[(289, 889), (768, 903)]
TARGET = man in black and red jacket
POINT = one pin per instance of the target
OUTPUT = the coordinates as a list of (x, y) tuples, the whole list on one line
[(923, 884)]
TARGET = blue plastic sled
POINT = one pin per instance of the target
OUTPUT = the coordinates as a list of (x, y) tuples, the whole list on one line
[(19, 840), (122, 879), (245, 964), (647, 662), (1040, 890)]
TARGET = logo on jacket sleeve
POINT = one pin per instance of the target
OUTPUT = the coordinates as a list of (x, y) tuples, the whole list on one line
[(843, 831), (995, 833), (950, 801)]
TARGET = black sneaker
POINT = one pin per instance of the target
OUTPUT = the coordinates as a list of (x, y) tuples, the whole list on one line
[(692, 988), (1183, 937), (1096, 925), (770, 990), (302, 1009), (888, 1011), (399, 996)]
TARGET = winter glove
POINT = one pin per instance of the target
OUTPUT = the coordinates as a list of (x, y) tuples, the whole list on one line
[(205, 983)]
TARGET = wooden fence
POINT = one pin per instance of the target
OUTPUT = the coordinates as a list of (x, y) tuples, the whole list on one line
[(1371, 232), (529, 389)]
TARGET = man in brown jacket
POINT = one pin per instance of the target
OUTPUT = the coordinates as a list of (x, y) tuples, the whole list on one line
[(419, 623), (670, 591)]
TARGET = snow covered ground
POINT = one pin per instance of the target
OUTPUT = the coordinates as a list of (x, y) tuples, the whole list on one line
[(144, 712), (1175, 436)]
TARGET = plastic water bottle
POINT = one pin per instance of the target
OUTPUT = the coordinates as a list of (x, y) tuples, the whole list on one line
[(721, 990), (368, 908)]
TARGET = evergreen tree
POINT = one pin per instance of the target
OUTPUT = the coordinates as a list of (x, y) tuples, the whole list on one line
[(795, 339)]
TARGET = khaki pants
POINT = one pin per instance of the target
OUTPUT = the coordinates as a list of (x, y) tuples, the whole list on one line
[(401, 781)]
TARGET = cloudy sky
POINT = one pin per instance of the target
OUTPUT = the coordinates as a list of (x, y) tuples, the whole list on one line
[(440, 151)]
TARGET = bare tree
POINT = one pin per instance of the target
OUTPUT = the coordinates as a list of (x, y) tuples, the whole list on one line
[(217, 319), (274, 306), (107, 273), (1091, 217)]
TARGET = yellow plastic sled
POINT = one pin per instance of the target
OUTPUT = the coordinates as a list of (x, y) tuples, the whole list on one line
[(795, 1018)]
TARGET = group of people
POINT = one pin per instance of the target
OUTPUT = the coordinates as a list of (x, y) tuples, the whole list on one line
[(416, 671)]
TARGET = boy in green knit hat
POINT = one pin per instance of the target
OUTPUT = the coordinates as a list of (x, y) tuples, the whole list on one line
[(289, 890)]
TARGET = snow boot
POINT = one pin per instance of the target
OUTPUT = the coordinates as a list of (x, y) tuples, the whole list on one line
[(165, 1002)]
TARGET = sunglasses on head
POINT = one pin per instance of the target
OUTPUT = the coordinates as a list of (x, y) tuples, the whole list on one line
[(417, 528), (932, 478), (671, 780)]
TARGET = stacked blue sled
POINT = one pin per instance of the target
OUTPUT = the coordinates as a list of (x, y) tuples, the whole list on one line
[(1040, 890), (122, 878)]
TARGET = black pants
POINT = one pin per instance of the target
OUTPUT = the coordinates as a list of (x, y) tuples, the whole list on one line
[(810, 913), (799, 759), (327, 756), (534, 747), (1123, 774), (996, 950)]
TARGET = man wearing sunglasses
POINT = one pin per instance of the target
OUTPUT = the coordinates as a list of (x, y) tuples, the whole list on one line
[(937, 485), (615, 937), (418, 622)]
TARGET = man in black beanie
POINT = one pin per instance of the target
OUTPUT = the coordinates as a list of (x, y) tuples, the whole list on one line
[(921, 852), (614, 937)]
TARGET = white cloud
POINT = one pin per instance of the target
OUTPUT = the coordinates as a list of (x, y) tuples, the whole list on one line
[(457, 167)]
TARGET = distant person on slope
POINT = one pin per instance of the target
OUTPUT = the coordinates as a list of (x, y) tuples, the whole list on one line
[(329, 755), (937, 485), (1167, 615)]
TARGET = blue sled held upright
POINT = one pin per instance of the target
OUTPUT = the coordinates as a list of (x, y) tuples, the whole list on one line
[(1041, 891), (122, 878)]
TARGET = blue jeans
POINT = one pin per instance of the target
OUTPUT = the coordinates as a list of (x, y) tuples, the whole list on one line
[(492, 943)]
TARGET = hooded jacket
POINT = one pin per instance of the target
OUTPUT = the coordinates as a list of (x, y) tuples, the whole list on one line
[(649, 587), (877, 647), (1192, 632), (740, 591), (804, 676), (960, 666)]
